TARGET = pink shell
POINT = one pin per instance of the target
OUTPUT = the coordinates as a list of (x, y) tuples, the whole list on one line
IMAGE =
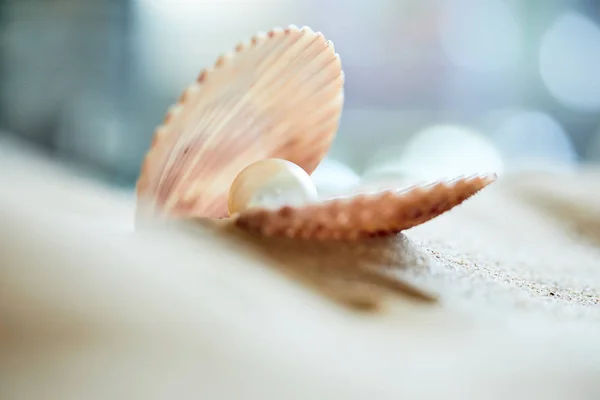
[(278, 96)]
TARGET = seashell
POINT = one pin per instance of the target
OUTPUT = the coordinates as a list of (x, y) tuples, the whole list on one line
[(278, 96), (271, 183), (363, 215)]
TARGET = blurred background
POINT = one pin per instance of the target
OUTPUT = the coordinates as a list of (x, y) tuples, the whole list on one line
[(432, 86)]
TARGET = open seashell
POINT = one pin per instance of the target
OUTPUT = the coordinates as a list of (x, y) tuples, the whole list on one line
[(363, 215), (278, 96)]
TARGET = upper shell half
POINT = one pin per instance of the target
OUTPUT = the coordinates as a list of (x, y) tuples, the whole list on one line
[(278, 96)]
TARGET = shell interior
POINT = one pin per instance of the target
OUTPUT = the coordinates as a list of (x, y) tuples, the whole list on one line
[(278, 96)]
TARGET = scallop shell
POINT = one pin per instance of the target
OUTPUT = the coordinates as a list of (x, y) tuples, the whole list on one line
[(278, 96), (364, 215)]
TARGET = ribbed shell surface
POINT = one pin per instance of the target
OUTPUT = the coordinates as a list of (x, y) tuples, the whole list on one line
[(278, 96)]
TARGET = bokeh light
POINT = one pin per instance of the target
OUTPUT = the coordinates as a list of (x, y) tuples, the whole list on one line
[(593, 150), (570, 61), (332, 177), (533, 140), (177, 38), (442, 151), (504, 71), (481, 35)]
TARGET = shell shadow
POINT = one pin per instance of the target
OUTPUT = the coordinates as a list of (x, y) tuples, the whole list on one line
[(361, 275)]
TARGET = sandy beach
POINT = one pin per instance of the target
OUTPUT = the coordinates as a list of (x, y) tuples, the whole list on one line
[(91, 309)]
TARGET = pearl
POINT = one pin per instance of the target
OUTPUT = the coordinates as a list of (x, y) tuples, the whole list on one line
[(271, 183)]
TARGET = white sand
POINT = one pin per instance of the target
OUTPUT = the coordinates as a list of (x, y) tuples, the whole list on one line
[(91, 310)]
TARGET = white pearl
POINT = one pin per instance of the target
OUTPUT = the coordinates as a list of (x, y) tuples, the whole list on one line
[(271, 183)]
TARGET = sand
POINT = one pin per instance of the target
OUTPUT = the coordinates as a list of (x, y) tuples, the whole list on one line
[(91, 309)]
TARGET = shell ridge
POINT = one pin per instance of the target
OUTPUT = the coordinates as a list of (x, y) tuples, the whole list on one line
[(183, 100), (172, 178), (316, 118), (234, 168), (364, 215), (318, 135), (323, 119), (184, 148), (220, 109), (258, 58), (226, 109), (303, 97), (326, 116), (285, 79), (181, 166)]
